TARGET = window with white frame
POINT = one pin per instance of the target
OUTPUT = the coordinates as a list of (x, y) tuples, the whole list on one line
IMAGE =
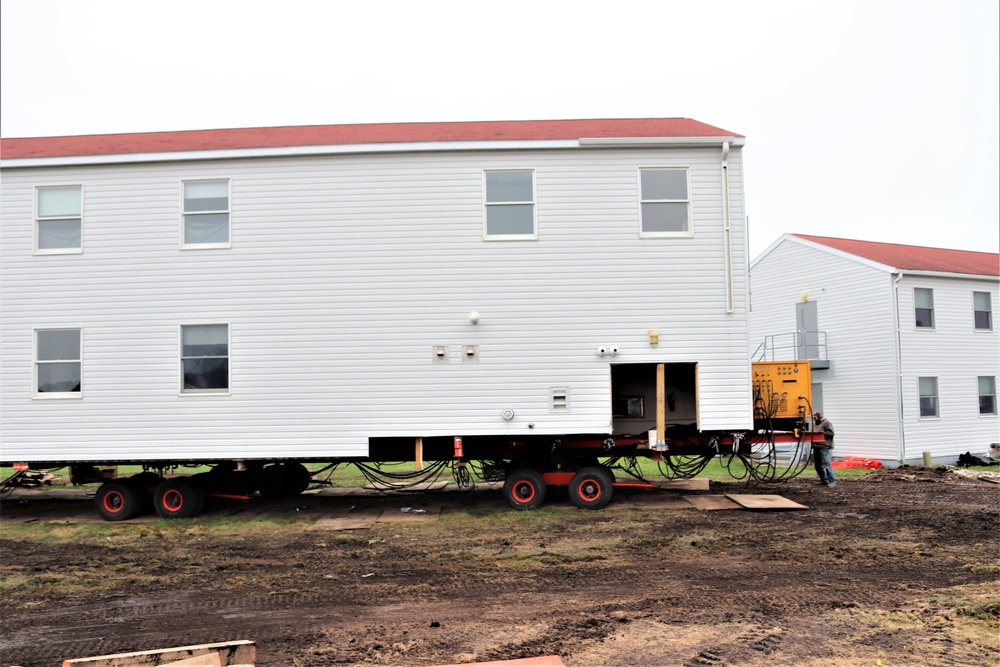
[(923, 307), (987, 394), (928, 388), (665, 201), (58, 363), (205, 358), (982, 311), (59, 219), (509, 204), (206, 214)]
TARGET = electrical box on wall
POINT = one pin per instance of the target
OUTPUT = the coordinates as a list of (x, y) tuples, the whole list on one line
[(782, 390)]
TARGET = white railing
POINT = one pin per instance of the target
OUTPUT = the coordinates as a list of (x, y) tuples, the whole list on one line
[(797, 345)]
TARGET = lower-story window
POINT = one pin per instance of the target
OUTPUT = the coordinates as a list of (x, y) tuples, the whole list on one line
[(928, 387), (205, 359), (58, 363), (987, 394)]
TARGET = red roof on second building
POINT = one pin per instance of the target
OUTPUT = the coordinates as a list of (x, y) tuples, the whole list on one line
[(915, 258), (332, 135)]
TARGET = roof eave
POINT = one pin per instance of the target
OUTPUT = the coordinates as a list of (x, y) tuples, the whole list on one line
[(283, 151), (660, 141), (947, 274), (348, 149)]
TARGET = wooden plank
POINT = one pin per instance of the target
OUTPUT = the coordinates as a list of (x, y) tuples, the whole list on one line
[(423, 486), (410, 514), (651, 501), (240, 653), (661, 405), (693, 484), (210, 660), (765, 501), (343, 523), (713, 502)]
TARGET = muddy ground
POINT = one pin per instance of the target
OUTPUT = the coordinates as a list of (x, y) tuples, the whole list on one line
[(899, 566)]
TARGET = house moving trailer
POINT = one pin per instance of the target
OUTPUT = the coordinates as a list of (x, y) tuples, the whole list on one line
[(519, 296)]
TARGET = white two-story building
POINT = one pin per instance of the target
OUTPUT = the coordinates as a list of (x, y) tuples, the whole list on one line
[(301, 292), (902, 339)]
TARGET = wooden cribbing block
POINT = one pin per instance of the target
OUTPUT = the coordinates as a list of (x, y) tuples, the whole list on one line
[(240, 653)]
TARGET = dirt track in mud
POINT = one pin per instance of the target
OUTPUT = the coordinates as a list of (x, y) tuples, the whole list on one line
[(900, 566)]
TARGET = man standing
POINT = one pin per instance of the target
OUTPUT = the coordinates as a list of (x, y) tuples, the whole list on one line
[(821, 450)]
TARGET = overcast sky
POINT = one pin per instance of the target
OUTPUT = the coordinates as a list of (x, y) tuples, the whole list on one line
[(875, 120)]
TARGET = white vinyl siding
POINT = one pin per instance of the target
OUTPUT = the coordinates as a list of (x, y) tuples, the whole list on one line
[(956, 354), (348, 271), (205, 220), (58, 368), (59, 220)]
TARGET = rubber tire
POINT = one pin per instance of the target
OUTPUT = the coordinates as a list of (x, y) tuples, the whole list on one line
[(524, 489), (117, 501), (178, 498), (282, 480), (299, 477), (591, 488)]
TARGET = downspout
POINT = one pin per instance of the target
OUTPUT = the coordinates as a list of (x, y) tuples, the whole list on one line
[(726, 228), (900, 425)]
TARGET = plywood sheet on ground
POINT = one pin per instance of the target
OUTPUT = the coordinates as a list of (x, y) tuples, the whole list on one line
[(713, 502), (654, 501), (410, 514), (423, 486), (765, 502), (693, 484), (343, 523)]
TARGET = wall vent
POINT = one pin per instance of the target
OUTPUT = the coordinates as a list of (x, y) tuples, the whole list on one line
[(560, 399)]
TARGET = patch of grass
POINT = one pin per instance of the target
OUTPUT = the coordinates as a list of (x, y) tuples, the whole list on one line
[(111, 534), (968, 615), (73, 582), (981, 603)]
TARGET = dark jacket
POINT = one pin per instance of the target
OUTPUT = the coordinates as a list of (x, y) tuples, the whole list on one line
[(827, 428)]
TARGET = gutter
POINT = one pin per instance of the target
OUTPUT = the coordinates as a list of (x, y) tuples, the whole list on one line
[(898, 361), (727, 231), (353, 149)]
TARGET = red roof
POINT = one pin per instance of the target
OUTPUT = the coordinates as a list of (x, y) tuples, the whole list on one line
[(332, 135), (916, 258)]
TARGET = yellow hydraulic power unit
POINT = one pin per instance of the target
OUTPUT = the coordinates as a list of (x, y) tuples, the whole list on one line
[(782, 389)]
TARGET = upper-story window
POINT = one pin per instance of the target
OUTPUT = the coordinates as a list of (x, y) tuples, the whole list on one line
[(206, 214), (923, 307), (58, 363), (982, 310), (665, 201), (59, 220), (510, 204), (205, 359)]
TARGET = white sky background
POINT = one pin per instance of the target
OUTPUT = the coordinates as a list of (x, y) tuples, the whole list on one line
[(875, 119)]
